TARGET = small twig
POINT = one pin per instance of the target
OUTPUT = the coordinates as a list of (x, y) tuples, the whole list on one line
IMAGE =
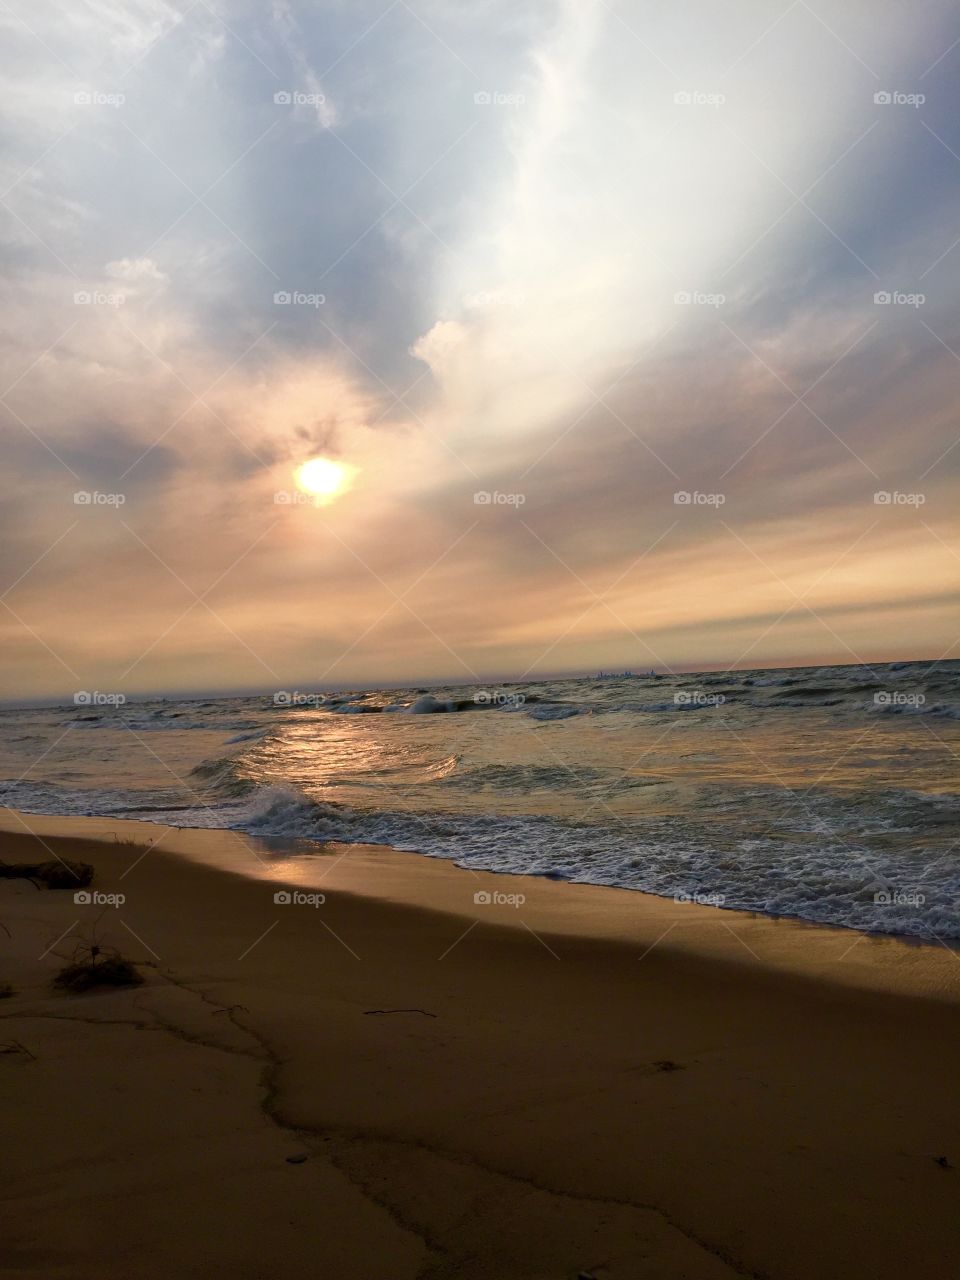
[(14, 1046), (426, 1012)]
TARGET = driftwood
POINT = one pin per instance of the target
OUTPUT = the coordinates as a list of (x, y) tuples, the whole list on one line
[(54, 874)]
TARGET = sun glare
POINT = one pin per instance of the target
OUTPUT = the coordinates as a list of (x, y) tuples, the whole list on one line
[(324, 478)]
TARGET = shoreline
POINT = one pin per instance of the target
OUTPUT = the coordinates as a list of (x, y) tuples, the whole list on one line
[(819, 950), (402, 1083)]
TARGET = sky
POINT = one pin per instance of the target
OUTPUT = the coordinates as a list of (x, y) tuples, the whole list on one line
[(634, 325)]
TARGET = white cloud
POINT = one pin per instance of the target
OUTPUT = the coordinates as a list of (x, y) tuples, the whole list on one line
[(439, 345)]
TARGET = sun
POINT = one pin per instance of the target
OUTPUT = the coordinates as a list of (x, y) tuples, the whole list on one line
[(324, 478)]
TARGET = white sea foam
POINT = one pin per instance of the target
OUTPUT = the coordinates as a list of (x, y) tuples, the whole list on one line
[(801, 794)]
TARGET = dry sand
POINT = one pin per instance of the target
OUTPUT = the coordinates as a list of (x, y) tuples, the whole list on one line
[(593, 1080)]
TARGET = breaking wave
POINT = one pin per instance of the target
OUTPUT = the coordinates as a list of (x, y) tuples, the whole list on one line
[(824, 793)]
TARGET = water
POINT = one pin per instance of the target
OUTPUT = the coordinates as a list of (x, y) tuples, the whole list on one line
[(826, 793)]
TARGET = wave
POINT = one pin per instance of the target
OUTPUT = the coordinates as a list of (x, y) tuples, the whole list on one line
[(877, 890), (879, 883), (429, 704), (555, 712), (844, 690), (899, 709), (224, 777), (483, 795), (520, 779), (141, 724)]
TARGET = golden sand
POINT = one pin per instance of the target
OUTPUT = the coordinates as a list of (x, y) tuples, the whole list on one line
[(410, 1080)]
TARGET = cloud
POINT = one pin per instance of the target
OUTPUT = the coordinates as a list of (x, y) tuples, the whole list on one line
[(590, 257), (438, 347)]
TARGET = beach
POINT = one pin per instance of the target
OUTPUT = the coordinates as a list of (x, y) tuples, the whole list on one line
[(434, 1072), (478, 566)]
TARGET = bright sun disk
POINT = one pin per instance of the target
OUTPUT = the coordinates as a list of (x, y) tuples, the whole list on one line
[(324, 478)]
